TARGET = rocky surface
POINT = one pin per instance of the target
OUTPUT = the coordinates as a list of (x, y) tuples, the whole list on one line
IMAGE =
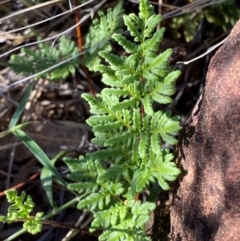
[(206, 206)]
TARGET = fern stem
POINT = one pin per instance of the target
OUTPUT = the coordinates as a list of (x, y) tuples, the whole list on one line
[(78, 29), (80, 47)]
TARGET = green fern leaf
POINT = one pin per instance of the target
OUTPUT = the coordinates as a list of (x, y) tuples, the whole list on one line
[(117, 92), (107, 218), (141, 179), (166, 170), (152, 44), (109, 153), (151, 24), (104, 26), (108, 127), (126, 116), (163, 90), (168, 127), (116, 189), (125, 104), (135, 152), (83, 186), (112, 59), (114, 172), (96, 119), (133, 23), (129, 46), (142, 209), (106, 70), (136, 120), (159, 65), (96, 104), (143, 145), (145, 10), (147, 104), (95, 200), (155, 143), (35, 61), (112, 235), (130, 228), (155, 119), (118, 139)]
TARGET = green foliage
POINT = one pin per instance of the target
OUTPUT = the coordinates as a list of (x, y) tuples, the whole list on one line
[(44, 58), (20, 209), (35, 61), (223, 15), (132, 217), (130, 131), (100, 32)]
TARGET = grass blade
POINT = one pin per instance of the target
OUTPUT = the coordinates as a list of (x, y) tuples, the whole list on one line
[(21, 107), (38, 153), (46, 178)]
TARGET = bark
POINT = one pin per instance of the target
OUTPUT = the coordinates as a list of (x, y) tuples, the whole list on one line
[(206, 205)]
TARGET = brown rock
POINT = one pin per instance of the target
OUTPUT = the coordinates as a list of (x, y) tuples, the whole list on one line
[(206, 207)]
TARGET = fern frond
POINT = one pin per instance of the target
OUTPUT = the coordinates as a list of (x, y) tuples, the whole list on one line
[(136, 120), (117, 92), (112, 59), (35, 61), (19, 210), (145, 10), (130, 132), (99, 34), (83, 173), (154, 120)]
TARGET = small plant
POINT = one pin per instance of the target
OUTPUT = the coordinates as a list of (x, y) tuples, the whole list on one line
[(44, 58), (223, 15), (130, 131), (19, 211), (35, 61), (100, 32)]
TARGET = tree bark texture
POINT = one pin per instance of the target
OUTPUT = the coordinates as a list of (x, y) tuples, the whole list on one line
[(206, 205)]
